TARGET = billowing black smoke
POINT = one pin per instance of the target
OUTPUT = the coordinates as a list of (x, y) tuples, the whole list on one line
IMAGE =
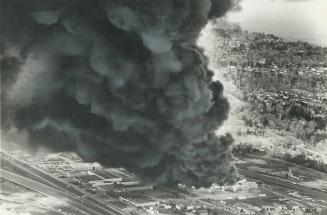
[(120, 82)]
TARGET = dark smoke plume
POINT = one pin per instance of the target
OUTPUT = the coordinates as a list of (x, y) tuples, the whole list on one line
[(120, 82)]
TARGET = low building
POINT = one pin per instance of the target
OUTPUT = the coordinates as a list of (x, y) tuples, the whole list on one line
[(132, 187), (138, 200), (88, 178), (76, 173), (96, 179), (105, 189), (248, 209), (120, 187), (268, 209)]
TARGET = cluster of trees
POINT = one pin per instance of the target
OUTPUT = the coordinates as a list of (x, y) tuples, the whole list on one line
[(300, 112), (303, 160), (246, 148), (310, 131)]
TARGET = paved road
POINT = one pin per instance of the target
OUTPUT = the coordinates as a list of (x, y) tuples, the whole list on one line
[(63, 186)]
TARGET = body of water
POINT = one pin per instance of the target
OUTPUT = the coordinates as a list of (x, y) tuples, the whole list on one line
[(304, 20)]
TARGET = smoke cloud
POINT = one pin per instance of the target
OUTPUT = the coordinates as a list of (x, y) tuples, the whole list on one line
[(120, 82)]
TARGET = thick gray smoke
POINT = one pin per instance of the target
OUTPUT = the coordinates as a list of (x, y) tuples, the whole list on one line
[(120, 82)]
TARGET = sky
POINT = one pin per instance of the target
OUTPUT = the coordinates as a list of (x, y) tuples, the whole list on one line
[(293, 19)]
